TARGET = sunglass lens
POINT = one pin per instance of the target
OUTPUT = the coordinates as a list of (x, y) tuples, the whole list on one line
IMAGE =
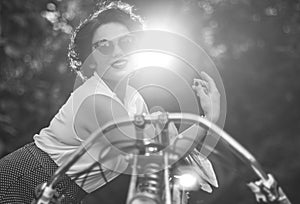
[(126, 43), (106, 48)]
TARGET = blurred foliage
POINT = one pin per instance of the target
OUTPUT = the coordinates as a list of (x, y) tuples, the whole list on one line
[(255, 45)]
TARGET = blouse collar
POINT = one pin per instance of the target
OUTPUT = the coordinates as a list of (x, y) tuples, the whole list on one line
[(105, 86)]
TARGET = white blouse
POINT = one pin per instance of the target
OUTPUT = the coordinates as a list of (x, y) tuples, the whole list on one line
[(60, 139)]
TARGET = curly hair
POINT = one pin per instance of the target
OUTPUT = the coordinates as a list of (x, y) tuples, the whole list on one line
[(81, 39)]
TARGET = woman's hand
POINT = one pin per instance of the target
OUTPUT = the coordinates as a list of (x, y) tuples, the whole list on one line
[(209, 96)]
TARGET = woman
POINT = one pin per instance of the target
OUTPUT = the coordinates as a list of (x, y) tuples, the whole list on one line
[(103, 96)]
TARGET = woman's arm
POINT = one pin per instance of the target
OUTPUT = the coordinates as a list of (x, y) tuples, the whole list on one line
[(209, 96)]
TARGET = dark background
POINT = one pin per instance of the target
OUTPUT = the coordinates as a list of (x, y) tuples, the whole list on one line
[(255, 45)]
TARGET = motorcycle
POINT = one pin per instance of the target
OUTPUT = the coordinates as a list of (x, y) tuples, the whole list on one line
[(161, 171)]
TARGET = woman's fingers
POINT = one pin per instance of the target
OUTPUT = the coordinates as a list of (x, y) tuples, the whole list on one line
[(209, 80), (199, 85), (201, 82)]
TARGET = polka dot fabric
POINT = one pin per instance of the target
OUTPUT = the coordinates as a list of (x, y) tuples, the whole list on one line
[(26, 168)]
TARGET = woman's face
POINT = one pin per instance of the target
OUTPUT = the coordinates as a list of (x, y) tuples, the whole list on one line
[(112, 66)]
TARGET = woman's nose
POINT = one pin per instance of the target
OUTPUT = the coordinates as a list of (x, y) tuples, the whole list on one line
[(118, 52)]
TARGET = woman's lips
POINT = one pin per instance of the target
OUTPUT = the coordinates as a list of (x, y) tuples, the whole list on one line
[(119, 64)]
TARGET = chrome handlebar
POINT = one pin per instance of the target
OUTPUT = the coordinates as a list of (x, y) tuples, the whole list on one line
[(261, 187)]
